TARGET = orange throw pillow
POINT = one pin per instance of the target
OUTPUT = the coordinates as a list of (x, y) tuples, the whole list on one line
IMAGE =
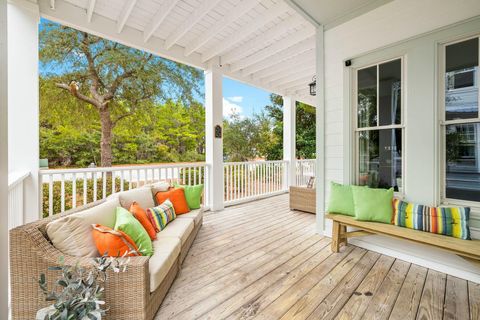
[(177, 197), (114, 243), (142, 217)]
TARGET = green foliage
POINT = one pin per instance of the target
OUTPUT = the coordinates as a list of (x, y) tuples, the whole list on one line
[(305, 130), (79, 196), (78, 291)]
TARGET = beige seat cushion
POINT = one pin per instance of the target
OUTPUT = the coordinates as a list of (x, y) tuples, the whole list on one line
[(72, 234), (165, 252), (178, 228), (196, 215), (142, 196)]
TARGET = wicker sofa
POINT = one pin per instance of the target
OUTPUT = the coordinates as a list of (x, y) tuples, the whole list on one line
[(135, 294)]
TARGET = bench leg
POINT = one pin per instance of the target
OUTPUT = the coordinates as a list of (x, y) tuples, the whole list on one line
[(343, 232), (336, 236)]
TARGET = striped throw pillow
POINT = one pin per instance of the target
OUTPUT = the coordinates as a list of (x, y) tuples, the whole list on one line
[(448, 221), (161, 215)]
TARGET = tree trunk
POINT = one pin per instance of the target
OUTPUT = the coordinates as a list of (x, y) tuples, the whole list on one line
[(106, 141)]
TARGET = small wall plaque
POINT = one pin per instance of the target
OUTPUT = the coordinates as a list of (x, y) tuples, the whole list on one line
[(218, 131)]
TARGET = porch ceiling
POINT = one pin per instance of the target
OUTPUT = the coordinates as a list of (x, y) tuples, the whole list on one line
[(261, 42)]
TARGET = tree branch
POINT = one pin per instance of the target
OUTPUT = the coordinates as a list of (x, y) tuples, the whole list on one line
[(79, 95), (97, 82)]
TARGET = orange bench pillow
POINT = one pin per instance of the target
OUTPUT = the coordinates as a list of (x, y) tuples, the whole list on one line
[(113, 243), (140, 214), (177, 197)]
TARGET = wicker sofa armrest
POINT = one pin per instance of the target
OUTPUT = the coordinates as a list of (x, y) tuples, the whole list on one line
[(31, 253)]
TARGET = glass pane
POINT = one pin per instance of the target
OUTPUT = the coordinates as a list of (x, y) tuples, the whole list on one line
[(380, 163), (390, 84), (463, 161), (367, 97), (461, 87)]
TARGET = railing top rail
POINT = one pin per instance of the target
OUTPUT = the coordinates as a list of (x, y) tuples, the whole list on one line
[(305, 160), (124, 168), (14, 178), (255, 162)]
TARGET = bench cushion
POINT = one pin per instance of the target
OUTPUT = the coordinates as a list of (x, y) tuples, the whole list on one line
[(195, 215), (178, 228), (165, 253)]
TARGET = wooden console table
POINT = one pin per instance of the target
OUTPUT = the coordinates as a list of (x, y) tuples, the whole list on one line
[(303, 199)]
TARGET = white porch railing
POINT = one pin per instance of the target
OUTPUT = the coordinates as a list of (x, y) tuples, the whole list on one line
[(15, 198), (305, 169), (65, 189), (251, 180)]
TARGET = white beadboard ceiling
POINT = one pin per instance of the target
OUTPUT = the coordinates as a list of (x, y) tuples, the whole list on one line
[(266, 43)]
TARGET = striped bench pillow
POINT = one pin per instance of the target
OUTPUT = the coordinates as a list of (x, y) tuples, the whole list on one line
[(161, 215), (448, 221)]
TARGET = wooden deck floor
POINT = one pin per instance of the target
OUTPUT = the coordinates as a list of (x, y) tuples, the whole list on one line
[(261, 261)]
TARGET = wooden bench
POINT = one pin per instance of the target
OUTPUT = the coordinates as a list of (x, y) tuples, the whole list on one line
[(466, 248)]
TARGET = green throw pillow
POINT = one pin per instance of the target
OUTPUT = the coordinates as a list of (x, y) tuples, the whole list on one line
[(341, 199), (193, 195), (127, 223), (373, 204)]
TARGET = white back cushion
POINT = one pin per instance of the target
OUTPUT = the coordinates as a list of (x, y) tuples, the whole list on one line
[(72, 234)]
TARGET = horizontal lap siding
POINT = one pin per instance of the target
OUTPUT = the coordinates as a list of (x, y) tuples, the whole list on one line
[(386, 25)]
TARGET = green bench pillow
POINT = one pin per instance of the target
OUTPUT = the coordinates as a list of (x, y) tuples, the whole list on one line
[(341, 199), (373, 204)]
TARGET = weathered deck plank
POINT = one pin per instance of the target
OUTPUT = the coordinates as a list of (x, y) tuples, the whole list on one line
[(259, 260)]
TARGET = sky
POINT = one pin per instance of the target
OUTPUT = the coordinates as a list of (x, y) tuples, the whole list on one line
[(239, 98)]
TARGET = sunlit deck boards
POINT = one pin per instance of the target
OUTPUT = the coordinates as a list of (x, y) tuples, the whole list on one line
[(261, 261)]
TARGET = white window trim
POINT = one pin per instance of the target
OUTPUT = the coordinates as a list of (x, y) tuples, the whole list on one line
[(474, 205), (354, 118)]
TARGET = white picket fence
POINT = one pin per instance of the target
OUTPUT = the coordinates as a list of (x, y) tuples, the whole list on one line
[(64, 189)]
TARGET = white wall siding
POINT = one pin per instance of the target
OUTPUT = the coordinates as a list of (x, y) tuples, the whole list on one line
[(377, 34)]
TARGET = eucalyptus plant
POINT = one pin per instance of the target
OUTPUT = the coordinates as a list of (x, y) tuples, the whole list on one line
[(78, 292)]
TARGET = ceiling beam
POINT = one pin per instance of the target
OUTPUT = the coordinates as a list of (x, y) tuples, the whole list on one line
[(245, 32), (297, 89), (291, 69), (296, 74), (288, 64), (165, 9), (293, 4), (302, 81), (260, 41), (205, 7), (301, 47), (279, 46), (126, 11), (239, 10), (90, 9)]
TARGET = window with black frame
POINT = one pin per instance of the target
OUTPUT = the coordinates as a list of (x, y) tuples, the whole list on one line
[(379, 127), (462, 121)]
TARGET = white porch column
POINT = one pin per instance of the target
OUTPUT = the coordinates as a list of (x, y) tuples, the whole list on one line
[(320, 133), (3, 162), (214, 145), (23, 101), (289, 140)]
